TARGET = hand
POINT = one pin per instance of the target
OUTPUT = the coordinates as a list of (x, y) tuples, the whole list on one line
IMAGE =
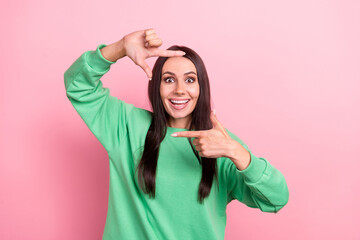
[(212, 143), (143, 44)]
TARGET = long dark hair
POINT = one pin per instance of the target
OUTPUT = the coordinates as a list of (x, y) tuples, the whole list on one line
[(157, 130)]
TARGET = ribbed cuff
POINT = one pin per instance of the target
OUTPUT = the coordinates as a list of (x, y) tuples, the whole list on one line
[(96, 60), (255, 170)]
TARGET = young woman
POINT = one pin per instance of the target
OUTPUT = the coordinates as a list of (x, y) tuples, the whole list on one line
[(174, 170)]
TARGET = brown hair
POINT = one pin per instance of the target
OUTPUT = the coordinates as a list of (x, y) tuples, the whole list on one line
[(157, 131)]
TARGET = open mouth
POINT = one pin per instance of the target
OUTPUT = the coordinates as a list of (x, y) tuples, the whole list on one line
[(179, 104)]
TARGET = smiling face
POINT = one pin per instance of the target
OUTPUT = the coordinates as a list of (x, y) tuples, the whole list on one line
[(179, 90)]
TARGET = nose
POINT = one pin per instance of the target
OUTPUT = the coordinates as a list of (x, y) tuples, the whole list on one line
[(180, 88)]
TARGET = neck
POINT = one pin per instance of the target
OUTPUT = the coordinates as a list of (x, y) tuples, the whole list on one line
[(179, 123)]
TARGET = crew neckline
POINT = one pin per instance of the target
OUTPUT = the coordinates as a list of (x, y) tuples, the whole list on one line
[(171, 130), (176, 129)]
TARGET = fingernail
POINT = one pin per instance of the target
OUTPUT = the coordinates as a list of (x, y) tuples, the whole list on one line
[(149, 79), (183, 52), (174, 134), (214, 111)]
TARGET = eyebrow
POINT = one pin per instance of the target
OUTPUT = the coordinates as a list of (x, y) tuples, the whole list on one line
[(171, 73)]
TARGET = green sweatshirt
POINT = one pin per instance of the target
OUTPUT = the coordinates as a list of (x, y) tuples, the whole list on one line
[(175, 212)]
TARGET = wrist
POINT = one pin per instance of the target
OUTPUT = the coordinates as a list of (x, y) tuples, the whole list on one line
[(232, 149), (114, 51), (120, 48), (239, 155)]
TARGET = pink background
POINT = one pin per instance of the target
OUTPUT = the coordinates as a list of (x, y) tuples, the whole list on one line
[(284, 78)]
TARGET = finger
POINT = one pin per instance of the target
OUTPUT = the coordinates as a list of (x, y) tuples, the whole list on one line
[(151, 37), (196, 142), (153, 40), (198, 148), (157, 42), (188, 134), (146, 68), (200, 153), (215, 121), (149, 31), (217, 124), (165, 53)]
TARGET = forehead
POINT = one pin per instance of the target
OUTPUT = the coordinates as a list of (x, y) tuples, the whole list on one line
[(178, 65)]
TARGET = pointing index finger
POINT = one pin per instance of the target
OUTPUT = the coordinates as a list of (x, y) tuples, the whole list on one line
[(187, 134), (166, 53)]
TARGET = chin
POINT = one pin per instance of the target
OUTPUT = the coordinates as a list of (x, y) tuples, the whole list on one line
[(176, 114)]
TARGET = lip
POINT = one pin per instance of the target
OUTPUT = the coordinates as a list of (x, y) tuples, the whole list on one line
[(179, 99), (178, 107)]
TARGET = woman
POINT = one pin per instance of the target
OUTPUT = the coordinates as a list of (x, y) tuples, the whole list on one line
[(163, 163)]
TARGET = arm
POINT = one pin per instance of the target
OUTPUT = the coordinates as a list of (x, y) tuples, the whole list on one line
[(104, 114), (259, 185), (250, 179)]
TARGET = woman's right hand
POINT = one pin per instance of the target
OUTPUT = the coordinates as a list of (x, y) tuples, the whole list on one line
[(139, 46)]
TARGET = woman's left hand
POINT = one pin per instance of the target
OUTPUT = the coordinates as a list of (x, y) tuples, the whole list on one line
[(212, 143)]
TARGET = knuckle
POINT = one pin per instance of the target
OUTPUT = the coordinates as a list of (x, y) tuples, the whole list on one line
[(150, 37), (155, 42), (149, 31), (152, 42)]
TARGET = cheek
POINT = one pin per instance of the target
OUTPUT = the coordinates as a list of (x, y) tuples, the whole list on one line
[(164, 92), (194, 91)]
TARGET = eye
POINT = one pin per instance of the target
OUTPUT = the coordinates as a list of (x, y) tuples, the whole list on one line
[(191, 80), (170, 79), (166, 79)]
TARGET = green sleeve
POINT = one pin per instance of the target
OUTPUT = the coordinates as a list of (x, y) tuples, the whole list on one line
[(105, 115), (260, 185)]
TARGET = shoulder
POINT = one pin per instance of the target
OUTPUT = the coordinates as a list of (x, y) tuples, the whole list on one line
[(139, 119), (132, 111), (144, 114)]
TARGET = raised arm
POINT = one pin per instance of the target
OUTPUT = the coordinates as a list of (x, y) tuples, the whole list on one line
[(105, 115)]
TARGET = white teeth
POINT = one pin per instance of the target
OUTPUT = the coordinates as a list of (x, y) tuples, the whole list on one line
[(174, 101)]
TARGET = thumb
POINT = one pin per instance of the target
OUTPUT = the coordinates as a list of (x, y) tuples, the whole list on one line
[(214, 120), (146, 68), (217, 124)]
